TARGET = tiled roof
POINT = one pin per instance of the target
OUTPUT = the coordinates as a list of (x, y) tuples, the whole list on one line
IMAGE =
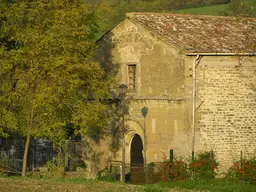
[(200, 33)]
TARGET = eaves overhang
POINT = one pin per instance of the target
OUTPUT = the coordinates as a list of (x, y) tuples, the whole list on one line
[(221, 54)]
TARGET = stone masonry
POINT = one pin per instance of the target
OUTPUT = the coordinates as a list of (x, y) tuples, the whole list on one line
[(225, 119)]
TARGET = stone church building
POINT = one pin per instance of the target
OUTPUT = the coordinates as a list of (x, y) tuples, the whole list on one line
[(195, 75)]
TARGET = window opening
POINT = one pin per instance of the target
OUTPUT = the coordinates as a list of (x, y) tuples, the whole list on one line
[(132, 77)]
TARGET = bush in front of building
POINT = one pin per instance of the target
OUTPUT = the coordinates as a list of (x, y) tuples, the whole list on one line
[(107, 175), (174, 170), (204, 166), (243, 171)]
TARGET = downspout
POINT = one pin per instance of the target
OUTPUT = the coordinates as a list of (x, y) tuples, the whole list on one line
[(195, 63)]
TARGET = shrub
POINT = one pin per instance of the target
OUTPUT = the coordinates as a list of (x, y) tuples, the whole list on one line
[(3, 162), (4, 169), (204, 166), (244, 171), (176, 170), (107, 175), (56, 167)]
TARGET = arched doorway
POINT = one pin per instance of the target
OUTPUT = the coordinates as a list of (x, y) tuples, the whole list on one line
[(137, 160), (136, 151)]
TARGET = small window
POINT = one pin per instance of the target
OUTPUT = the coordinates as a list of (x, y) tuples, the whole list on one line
[(132, 77)]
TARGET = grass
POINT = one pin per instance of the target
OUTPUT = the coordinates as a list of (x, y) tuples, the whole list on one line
[(19, 184), (209, 10), (215, 10), (14, 184), (208, 185)]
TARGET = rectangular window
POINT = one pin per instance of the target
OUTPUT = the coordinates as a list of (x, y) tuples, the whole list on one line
[(132, 76)]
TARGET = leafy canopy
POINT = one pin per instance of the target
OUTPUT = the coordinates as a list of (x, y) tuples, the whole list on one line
[(47, 70)]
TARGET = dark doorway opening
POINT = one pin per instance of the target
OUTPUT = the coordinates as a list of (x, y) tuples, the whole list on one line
[(136, 151), (137, 160)]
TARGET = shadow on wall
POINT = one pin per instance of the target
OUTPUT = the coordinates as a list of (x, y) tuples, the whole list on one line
[(116, 109), (97, 146), (108, 140), (91, 156), (104, 54), (98, 139)]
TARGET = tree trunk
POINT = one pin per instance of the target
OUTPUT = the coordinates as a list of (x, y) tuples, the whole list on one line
[(25, 157)]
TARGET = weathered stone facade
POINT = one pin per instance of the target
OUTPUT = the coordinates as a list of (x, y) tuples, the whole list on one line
[(160, 87), (225, 97), (227, 118)]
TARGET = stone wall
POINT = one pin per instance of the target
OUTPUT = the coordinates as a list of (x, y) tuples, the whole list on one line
[(160, 67), (226, 121), (160, 87), (165, 128)]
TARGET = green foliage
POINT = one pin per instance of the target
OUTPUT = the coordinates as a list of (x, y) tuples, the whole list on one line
[(182, 4), (47, 70), (107, 175), (208, 10), (7, 119), (55, 164), (242, 8), (244, 171), (56, 167), (215, 185), (176, 170), (51, 72), (204, 166), (3, 163)]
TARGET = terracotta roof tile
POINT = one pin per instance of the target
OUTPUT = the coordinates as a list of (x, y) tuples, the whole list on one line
[(202, 34)]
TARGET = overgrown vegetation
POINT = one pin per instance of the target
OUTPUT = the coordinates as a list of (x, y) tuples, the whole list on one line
[(240, 178), (174, 170), (200, 174), (3, 163), (243, 171), (107, 175), (204, 166)]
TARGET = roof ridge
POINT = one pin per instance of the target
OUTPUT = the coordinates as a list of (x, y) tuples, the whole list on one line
[(132, 14), (201, 33)]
